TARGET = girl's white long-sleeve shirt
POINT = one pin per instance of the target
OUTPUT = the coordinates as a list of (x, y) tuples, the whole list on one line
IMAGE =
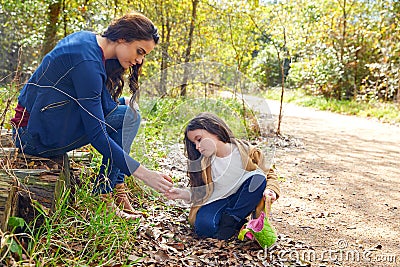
[(228, 175)]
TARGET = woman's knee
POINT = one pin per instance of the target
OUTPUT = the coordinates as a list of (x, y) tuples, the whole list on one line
[(132, 117), (123, 117), (130, 128)]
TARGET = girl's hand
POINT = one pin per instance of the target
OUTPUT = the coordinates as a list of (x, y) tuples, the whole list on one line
[(178, 193), (270, 194)]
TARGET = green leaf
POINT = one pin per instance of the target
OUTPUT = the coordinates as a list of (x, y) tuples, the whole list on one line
[(16, 222), (15, 247)]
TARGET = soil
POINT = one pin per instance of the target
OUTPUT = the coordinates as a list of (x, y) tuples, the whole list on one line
[(340, 187)]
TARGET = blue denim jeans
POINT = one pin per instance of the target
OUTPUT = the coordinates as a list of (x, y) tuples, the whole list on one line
[(238, 205), (125, 125)]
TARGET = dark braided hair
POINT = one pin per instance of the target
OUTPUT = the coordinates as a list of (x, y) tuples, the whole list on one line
[(131, 27)]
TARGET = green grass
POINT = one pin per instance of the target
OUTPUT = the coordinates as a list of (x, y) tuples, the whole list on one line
[(81, 234), (8, 100), (385, 112)]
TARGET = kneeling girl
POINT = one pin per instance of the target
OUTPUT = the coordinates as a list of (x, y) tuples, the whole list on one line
[(228, 178)]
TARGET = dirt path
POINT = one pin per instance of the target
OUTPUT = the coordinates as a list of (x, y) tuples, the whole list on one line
[(341, 188)]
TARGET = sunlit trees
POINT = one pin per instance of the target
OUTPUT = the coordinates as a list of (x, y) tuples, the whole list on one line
[(346, 49)]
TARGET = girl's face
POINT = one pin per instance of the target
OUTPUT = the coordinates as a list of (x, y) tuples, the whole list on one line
[(132, 53), (206, 143)]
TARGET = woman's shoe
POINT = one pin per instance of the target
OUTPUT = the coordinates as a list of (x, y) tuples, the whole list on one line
[(121, 195), (107, 198)]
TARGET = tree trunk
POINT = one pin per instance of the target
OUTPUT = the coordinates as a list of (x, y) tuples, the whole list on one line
[(282, 69), (355, 85), (398, 94), (165, 39), (65, 19), (51, 28), (189, 46)]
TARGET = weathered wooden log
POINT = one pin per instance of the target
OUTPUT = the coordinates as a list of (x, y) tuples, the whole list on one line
[(6, 138), (29, 183), (22, 190), (80, 156), (7, 199)]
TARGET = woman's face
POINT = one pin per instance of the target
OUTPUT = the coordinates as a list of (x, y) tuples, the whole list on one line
[(206, 143), (132, 53)]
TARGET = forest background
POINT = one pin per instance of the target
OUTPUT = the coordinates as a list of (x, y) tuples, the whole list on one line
[(342, 49)]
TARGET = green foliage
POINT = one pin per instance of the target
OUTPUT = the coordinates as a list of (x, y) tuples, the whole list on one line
[(16, 222), (319, 75), (341, 49), (266, 67), (345, 57), (85, 234), (21, 31), (12, 242), (382, 82), (8, 95)]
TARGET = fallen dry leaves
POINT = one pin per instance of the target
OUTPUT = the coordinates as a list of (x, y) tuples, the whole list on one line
[(165, 238)]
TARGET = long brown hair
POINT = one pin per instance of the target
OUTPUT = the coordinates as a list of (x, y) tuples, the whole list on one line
[(212, 124), (130, 27)]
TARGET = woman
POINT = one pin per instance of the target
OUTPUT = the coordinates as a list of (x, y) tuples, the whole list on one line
[(228, 178), (72, 100)]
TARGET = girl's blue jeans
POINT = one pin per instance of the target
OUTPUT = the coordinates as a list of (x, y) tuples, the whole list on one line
[(125, 125), (238, 205)]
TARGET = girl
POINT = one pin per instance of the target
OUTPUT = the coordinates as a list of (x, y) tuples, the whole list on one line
[(228, 178), (71, 100)]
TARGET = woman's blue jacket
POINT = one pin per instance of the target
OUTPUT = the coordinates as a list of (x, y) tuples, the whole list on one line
[(67, 100)]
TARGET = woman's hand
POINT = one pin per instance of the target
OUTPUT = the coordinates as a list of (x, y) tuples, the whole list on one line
[(178, 193), (158, 181), (268, 193)]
